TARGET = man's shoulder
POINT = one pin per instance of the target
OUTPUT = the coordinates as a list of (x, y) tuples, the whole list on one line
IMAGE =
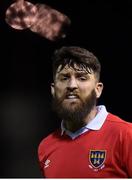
[(51, 138), (48, 145), (118, 122)]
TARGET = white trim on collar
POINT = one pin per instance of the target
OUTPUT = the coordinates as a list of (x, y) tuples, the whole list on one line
[(95, 124), (99, 119)]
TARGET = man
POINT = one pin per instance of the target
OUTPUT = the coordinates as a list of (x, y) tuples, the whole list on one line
[(91, 142)]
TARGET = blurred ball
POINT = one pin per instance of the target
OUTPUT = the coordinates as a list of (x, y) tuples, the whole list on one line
[(50, 23), (21, 15)]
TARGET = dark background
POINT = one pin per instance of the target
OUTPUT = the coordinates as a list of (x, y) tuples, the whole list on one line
[(103, 27)]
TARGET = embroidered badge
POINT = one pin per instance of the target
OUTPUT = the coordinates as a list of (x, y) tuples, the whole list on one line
[(97, 159)]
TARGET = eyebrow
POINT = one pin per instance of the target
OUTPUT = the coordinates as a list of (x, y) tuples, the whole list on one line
[(78, 73)]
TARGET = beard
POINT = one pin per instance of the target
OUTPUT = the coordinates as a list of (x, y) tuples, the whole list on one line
[(77, 114)]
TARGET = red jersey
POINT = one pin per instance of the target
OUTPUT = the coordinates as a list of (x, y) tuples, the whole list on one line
[(104, 153)]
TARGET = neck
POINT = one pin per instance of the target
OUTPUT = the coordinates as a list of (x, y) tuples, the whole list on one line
[(74, 126)]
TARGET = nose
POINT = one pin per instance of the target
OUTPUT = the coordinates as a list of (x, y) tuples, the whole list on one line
[(72, 84)]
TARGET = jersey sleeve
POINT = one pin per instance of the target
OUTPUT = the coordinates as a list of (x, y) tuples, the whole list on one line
[(41, 159), (127, 151)]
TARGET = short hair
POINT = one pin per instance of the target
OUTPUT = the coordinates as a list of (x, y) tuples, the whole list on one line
[(72, 55)]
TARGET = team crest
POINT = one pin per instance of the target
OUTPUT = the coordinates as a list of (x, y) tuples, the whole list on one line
[(97, 158)]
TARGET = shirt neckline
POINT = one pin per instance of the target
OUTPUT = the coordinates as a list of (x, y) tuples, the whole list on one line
[(94, 124)]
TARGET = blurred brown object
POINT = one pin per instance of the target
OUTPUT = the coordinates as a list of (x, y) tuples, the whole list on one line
[(50, 23), (39, 18), (21, 14)]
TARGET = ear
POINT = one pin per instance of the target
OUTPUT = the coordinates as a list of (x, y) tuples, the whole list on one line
[(52, 89), (98, 89)]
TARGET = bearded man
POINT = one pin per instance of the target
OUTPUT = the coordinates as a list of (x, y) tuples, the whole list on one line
[(91, 142)]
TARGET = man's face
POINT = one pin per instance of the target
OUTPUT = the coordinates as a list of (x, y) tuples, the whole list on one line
[(74, 89)]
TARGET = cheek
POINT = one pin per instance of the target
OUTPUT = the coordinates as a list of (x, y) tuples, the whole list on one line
[(86, 91), (59, 90), (85, 87)]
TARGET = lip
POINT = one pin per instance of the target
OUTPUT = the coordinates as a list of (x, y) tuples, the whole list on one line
[(72, 96)]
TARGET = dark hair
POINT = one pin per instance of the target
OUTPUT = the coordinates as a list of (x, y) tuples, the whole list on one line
[(75, 55)]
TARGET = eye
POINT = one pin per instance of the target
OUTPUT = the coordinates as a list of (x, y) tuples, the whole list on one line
[(82, 78), (64, 78)]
